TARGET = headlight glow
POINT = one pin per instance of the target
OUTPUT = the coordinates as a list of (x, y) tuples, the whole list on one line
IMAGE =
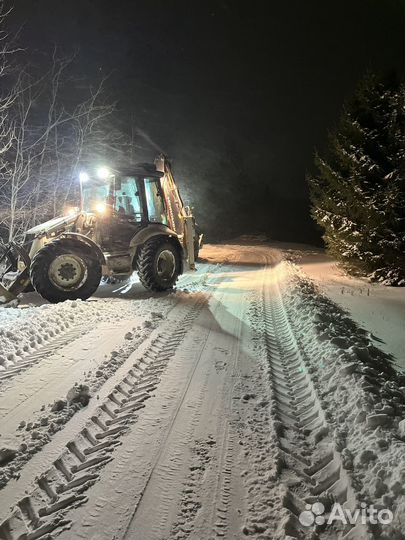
[(103, 172), (71, 211), (100, 208), (83, 176)]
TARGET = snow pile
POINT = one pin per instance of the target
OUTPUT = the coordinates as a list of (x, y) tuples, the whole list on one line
[(378, 308), (24, 331), (362, 394)]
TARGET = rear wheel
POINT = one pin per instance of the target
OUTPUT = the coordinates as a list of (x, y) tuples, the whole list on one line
[(65, 269), (159, 264)]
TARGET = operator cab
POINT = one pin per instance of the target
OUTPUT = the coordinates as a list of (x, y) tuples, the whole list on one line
[(128, 221), (136, 196)]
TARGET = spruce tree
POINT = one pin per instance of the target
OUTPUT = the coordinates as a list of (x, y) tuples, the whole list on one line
[(357, 194)]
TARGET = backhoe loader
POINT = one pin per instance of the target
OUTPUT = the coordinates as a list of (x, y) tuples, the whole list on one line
[(128, 220)]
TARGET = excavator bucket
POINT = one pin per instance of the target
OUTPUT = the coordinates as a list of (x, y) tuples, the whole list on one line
[(14, 272)]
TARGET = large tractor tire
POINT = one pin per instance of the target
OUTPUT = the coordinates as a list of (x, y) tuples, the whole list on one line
[(159, 264), (65, 269)]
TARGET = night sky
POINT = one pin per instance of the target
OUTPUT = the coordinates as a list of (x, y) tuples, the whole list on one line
[(237, 94)]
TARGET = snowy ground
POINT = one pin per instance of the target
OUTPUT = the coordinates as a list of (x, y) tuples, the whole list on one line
[(376, 307), (216, 411)]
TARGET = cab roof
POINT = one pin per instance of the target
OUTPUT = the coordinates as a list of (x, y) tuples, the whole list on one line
[(141, 169)]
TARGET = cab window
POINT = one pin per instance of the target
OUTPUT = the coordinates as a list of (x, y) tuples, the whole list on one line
[(94, 194), (154, 201), (127, 198)]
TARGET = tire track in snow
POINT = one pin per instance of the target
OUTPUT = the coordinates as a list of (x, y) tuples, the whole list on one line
[(188, 281), (223, 489), (26, 403), (43, 352), (211, 500), (311, 465), (177, 445), (220, 522), (171, 485), (128, 478), (62, 487)]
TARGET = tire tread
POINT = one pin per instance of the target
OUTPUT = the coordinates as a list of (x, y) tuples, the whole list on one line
[(145, 264), (40, 264)]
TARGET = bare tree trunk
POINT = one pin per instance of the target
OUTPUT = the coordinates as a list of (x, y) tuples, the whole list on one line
[(39, 162)]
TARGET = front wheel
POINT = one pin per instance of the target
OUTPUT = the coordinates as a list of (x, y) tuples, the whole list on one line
[(159, 264), (65, 269)]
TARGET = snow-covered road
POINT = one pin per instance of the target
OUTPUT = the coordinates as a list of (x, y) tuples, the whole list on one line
[(217, 411)]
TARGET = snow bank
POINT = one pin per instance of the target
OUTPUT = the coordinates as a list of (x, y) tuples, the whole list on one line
[(24, 331), (361, 392), (379, 308)]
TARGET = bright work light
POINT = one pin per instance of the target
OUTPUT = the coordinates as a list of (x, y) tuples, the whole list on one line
[(103, 173), (100, 208), (71, 211)]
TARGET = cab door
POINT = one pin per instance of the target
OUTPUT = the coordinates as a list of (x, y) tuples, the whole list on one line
[(155, 202)]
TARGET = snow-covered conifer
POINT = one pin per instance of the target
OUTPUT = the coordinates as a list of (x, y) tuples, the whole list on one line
[(358, 192)]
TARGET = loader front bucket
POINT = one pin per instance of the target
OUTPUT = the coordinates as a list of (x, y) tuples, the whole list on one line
[(14, 272), (6, 296)]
